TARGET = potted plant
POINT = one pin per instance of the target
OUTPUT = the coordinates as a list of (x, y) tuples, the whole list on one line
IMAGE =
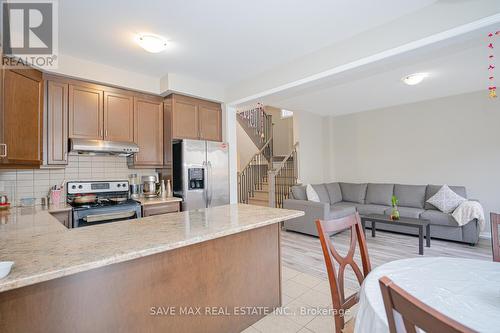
[(395, 211)]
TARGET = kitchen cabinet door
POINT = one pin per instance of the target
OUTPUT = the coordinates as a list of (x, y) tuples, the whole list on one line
[(118, 117), (148, 132), (185, 118), (167, 132), (85, 112), (210, 120), (57, 123), (22, 117)]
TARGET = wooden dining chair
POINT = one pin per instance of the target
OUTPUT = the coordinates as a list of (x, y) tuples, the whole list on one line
[(414, 313), (495, 241), (336, 277)]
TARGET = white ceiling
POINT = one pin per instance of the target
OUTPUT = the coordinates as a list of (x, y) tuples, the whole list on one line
[(456, 66), (224, 41)]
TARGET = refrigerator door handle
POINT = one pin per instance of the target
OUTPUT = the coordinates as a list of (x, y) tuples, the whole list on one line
[(211, 188), (205, 187)]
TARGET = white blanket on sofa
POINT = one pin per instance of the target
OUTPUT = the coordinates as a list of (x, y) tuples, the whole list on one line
[(467, 211)]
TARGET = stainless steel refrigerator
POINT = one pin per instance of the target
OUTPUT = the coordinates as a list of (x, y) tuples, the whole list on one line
[(201, 173)]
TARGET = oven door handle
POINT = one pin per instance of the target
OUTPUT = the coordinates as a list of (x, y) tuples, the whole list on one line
[(109, 216)]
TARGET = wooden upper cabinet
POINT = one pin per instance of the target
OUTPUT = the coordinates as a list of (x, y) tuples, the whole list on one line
[(85, 112), (185, 118), (148, 132), (197, 119), (167, 132), (210, 122), (22, 117), (57, 123), (118, 117)]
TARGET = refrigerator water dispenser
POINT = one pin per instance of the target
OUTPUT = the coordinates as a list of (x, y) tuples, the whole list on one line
[(196, 179)]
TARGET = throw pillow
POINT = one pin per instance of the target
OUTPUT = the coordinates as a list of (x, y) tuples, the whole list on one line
[(446, 200), (311, 193)]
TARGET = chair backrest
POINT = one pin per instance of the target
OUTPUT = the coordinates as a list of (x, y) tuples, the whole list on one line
[(336, 278), (414, 313), (495, 241)]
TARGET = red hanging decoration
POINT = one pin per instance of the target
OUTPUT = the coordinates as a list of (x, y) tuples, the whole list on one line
[(491, 68)]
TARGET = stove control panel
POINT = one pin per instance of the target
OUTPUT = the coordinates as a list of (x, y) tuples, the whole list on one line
[(97, 187)]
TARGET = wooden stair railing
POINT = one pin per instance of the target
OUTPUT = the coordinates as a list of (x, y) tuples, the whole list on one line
[(282, 178), (257, 124), (254, 175)]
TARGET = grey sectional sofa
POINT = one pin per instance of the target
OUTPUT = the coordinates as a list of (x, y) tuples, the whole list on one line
[(341, 199)]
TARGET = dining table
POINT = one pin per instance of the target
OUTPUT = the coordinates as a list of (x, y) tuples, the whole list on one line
[(466, 290)]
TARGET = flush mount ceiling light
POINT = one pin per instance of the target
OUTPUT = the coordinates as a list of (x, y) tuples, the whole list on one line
[(414, 79), (151, 43)]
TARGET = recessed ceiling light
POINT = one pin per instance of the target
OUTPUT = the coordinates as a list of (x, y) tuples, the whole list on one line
[(414, 79), (151, 43)]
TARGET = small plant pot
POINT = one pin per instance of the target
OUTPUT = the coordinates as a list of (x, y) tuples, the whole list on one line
[(395, 214)]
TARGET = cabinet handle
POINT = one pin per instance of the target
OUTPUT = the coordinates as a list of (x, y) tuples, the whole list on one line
[(106, 135), (4, 146)]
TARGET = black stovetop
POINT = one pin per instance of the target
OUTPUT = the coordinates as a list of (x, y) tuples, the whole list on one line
[(103, 203)]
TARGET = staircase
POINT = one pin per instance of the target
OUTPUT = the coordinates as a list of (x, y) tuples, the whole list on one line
[(266, 179)]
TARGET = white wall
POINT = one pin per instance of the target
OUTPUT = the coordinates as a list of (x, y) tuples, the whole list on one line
[(246, 149), (453, 140), (190, 86), (310, 130), (282, 131), (96, 72)]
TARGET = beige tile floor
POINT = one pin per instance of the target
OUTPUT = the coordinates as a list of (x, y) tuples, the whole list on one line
[(301, 292)]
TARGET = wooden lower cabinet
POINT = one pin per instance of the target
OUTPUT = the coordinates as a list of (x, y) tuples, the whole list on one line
[(22, 118), (148, 132), (160, 209)]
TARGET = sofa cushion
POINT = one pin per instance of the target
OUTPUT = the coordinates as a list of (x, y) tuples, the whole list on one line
[(337, 212), (334, 192), (439, 218), (344, 204), (353, 192), (311, 194), (446, 200), (432, 189), (379, 194), (322, 193), (410, 195), (371, 209), (406, 212), (299, 192)]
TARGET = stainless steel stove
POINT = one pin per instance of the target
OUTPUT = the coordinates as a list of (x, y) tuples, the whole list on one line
[(105, 201)]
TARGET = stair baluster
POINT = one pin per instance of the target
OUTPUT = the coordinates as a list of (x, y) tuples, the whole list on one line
[(254, 175), (282, 178)]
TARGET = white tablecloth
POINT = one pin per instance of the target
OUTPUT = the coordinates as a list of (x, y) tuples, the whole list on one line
[(463, 289)]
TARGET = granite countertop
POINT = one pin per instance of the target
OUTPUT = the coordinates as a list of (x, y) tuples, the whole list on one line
[(157, 200), (40, 257), (30, 221)]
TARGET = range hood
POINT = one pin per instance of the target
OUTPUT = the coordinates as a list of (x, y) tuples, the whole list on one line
[(102, 147)]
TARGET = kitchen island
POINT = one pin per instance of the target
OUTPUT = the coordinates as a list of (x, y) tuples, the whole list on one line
[(210, 270)]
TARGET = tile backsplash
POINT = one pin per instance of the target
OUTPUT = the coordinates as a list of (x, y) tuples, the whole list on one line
[(23, 183)]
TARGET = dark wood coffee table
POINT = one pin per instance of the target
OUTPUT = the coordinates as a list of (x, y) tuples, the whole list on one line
[(403, 222)]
